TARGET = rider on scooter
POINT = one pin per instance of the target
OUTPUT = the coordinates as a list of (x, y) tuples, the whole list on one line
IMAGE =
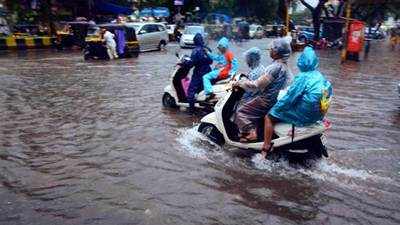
[(275, 77), (202, 65), (227, 66), (306, 101)]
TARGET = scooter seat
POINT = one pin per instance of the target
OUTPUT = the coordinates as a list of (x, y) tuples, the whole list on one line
[(285, 129)]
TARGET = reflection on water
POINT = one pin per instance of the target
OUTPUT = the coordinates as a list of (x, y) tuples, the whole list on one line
[(89, 143)]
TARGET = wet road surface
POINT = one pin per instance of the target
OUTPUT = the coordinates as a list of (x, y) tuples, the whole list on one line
[(90, 143)]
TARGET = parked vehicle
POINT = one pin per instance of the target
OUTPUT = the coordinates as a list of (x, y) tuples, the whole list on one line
[(170, 30), (256, 31), (216, 18), (274, 30), (189, 33), (305, 34), (151, 36), (240, 29), (174, 33), (4, 28), (374, 34), (95, 48), (72, 34)]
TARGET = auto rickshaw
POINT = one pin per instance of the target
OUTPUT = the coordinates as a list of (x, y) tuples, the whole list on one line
[(125, 37), (72, 34)]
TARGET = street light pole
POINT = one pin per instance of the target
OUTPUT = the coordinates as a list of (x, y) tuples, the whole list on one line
[(287, 17), (348, 14)]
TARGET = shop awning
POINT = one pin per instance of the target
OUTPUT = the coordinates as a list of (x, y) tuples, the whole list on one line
[(111, 8)]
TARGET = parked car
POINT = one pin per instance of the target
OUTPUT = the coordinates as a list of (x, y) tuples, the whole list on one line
[(216, 18), (256, 31), (305, 34), (375, 33), (151, 36), (274, 30), (189, 33)]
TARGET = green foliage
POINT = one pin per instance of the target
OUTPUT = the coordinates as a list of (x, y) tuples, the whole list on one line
[(373, 13), (263, 11), (302, 17)]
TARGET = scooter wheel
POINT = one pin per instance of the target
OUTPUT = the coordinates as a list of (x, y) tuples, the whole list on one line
[(168, 101), (211, 132)]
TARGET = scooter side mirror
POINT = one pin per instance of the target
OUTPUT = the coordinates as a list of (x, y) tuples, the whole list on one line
[(177, 55)]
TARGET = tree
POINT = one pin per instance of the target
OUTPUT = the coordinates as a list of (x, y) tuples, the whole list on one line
[(316, 15)]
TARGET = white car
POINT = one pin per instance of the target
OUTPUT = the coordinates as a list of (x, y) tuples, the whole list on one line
[(151, 36), (189, 33), (256, 31)]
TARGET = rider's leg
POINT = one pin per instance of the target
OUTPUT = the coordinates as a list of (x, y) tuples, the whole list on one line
[(194, 87), (269, 124), (207, 81)]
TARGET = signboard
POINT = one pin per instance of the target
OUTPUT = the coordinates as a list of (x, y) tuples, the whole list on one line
[(179, 2), (355, 36)]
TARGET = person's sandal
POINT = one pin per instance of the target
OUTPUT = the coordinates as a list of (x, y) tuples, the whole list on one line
[(268, 151)]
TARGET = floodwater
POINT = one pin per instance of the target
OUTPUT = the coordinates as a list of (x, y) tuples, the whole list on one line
[(90, 143)]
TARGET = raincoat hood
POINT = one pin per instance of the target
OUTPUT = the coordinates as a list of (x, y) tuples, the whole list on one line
[(308, 60), (253, 57), (198, 40), (281, 47), (224, 43)]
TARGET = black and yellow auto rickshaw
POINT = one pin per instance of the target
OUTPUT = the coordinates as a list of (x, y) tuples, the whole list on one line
[(125, 37), (72, 34)]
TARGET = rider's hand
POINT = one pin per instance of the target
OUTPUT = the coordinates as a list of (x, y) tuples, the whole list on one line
[(235, 83)]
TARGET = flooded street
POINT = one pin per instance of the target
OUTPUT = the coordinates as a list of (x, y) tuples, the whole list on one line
[(90, 143)]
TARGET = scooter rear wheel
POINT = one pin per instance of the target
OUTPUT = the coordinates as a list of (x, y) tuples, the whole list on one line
[(168, 101)]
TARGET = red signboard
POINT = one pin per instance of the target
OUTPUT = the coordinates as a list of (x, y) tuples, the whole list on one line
[(355, 37)]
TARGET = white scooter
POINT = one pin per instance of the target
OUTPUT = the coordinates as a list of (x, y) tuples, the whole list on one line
[(175, 94), (288, 141)]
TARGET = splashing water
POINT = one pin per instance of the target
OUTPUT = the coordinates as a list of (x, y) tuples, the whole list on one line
[(323, 170), (195, 143)]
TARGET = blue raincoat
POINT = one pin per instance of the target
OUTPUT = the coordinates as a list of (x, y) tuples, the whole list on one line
[(199, 59), (220, 59), (202, 65), (223, 69), (301, 105)]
